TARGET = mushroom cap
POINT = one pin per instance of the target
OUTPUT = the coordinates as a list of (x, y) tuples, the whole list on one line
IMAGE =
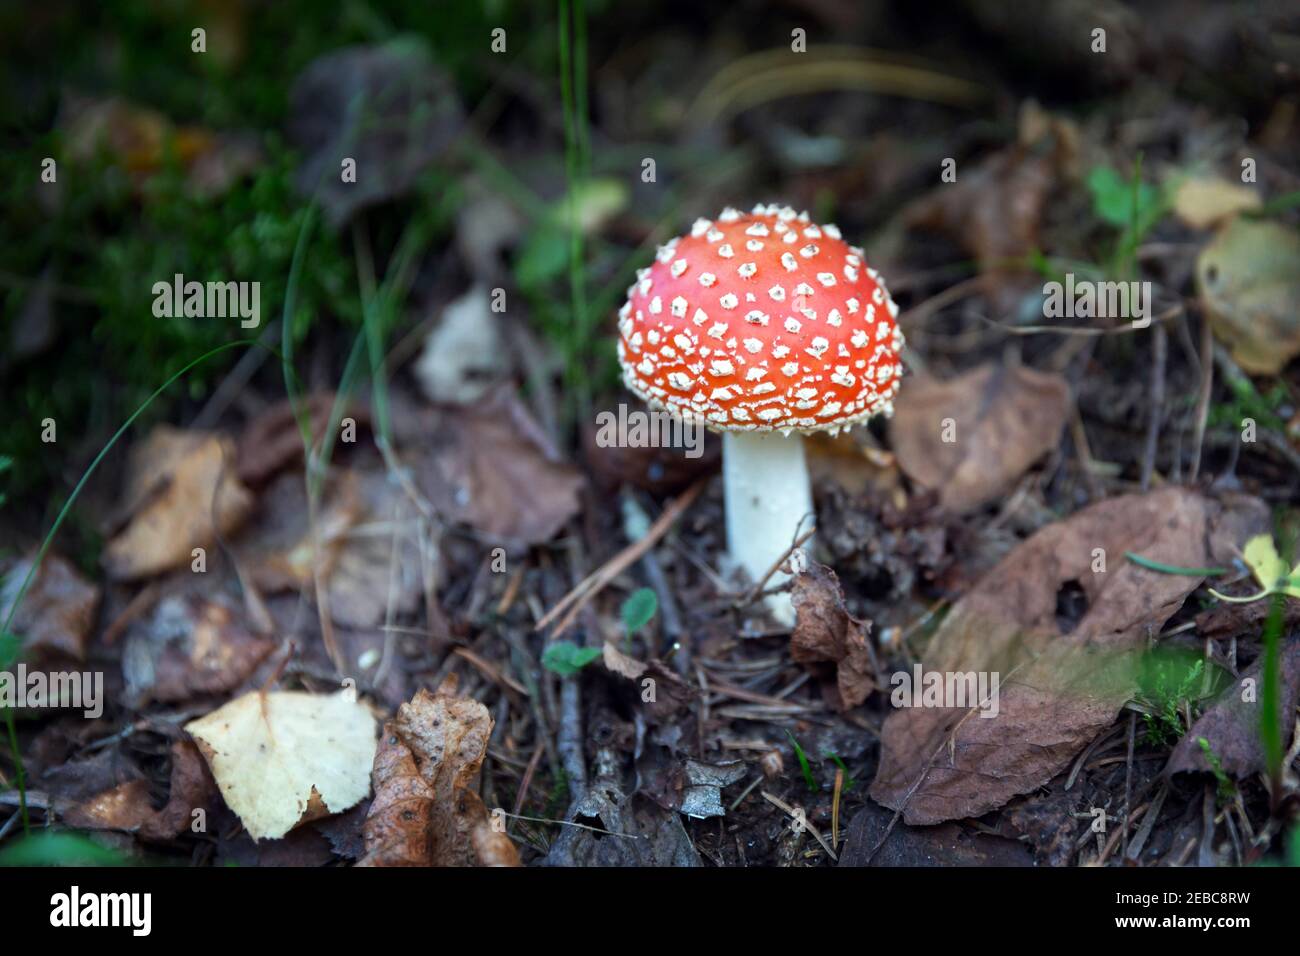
[(761, 322)]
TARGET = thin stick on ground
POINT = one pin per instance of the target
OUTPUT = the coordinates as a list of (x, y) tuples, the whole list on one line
[(1159, 358), (755, 592), (798, 815), (1203, 399), (594, 583)]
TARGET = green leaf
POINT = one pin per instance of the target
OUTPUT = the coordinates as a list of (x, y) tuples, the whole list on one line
[(1112, 199), (566, 658), (58, 848), (848, 777), (544, 256), (638, 609), (803, 763)]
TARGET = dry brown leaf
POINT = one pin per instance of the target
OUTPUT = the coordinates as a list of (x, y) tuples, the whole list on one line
[(379, 564), (854, 461), (189, 646), (994, 209), (128, 807), (58, 610), (493, 468), (272, 441), (1000, 421), (948, 844), (1061, 681), (1231, 725), (280, 552), (177, 481), (826, 634), (1248, 278), (361, 517), (399, 824), (427, 810), (620, 663)]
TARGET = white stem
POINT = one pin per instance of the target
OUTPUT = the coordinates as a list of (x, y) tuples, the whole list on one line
[(768, 502)]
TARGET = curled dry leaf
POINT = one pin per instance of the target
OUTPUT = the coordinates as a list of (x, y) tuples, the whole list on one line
[(826, 634), (284, 757), (427, 811), (620, 663), (1248, 278), (1060, 681), (398, 830), (1231, 726), (970, 438), (177, 483), (697, 790), (58, 610), (129, 807)]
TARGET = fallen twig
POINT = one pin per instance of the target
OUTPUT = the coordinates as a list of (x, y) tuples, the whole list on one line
[(799, 815), (594, 583)]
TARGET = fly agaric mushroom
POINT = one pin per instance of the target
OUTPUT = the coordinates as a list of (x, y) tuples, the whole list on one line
[(764, 327)]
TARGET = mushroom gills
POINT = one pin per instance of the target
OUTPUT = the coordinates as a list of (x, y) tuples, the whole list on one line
[(768, 504)]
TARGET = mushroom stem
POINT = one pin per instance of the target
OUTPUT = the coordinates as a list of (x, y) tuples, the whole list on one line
[(768, 501)]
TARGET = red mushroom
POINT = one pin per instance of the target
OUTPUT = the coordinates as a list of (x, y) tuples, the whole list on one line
[(762, 326)]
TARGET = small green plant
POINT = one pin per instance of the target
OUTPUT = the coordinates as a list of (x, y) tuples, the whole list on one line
[(567, 658), (803, 763), (1170, 686), (1248, 402), (835, 759), (1130, 205), (637, 612), (1226, 788), (1121, 201)]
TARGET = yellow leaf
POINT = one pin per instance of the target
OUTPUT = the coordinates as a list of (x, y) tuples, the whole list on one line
[(284, 757), (1262, 558)]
